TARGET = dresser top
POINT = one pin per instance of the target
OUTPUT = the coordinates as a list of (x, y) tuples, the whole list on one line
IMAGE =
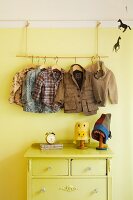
[(68, 151)]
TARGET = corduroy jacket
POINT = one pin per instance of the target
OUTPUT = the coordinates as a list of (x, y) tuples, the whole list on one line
[(77, 100)]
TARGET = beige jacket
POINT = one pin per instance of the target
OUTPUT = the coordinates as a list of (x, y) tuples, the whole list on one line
[(105, 86), (77, 100)]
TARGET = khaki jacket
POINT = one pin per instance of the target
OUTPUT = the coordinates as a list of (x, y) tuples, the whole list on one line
[(105, 86), (77, 100)]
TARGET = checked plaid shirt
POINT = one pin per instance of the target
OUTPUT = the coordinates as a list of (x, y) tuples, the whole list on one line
[(46, 85)]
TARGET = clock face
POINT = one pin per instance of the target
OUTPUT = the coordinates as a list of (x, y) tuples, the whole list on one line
[(50, 138)]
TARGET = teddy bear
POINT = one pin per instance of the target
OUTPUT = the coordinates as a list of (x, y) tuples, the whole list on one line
[(81, 134)]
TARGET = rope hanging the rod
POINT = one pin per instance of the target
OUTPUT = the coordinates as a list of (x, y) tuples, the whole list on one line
[(62, 57), (26, 36), (97, 37)]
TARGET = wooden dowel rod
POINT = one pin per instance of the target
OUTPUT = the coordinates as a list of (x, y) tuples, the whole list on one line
[(63, 57)]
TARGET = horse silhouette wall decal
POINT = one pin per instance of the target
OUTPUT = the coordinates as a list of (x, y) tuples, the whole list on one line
[(122, 25)]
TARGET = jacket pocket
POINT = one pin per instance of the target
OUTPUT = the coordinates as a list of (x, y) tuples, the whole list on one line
[(70, 104), (89, 107), (92, 106), (88, 94)]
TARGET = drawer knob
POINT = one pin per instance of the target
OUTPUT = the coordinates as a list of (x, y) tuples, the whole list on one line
[(96, 190), (89, 168), (49, 168), (43, 189)]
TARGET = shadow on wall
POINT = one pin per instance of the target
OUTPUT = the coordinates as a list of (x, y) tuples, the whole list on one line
[(13, 177)]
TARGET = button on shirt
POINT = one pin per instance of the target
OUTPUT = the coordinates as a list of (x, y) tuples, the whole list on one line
[(46, 86)]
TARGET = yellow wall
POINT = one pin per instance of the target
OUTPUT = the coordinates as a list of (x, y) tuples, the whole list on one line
[(19, 129)]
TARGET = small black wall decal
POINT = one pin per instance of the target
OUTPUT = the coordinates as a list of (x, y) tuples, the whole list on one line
[(116, 46), (122, 25)]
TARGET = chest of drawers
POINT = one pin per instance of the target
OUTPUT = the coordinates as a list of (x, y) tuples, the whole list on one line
[(68, 174)]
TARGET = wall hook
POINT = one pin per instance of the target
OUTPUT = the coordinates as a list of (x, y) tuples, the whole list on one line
[(27, 23)]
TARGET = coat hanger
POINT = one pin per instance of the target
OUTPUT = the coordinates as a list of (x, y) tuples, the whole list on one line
[(56, 66), (32, 64), (77, 66), (38, 63), (43, 66), (96, 60)]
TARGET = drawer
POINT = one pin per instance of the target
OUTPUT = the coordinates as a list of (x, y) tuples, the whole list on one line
[(88, 167), (69, 189), (49, 167)]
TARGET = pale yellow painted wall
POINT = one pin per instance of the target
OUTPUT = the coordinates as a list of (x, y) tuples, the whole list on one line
[(19, 129)]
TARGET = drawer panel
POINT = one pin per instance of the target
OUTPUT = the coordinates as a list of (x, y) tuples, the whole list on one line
[(49, 167), (69, 189), (88, 167)]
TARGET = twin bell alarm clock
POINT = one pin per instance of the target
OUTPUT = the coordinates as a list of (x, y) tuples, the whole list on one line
[(50, 137)]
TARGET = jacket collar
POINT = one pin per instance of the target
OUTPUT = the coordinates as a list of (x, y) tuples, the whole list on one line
[(71, 72), (52, 72), (72, 68), (98, 66)]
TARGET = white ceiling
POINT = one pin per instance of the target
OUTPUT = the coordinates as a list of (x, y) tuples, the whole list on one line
[(66, 9)]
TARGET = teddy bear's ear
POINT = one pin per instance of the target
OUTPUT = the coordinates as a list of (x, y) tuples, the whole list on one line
[(78, 125)]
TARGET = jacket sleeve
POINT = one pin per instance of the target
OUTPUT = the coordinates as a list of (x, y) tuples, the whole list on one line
[(112, 90), (27, 88), (15, 94), (24, 92), (59, 98), (96, 91), (38, 87)]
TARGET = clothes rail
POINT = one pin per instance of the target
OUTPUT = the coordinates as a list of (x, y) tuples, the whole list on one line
[(62, 57)]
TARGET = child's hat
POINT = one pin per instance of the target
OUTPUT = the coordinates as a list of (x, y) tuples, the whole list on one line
[(102, 125)]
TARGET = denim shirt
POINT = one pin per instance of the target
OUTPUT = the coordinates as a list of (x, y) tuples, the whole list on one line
[(29, 105)]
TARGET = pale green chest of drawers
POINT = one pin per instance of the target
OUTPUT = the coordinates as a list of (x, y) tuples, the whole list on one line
[(68, 174)]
